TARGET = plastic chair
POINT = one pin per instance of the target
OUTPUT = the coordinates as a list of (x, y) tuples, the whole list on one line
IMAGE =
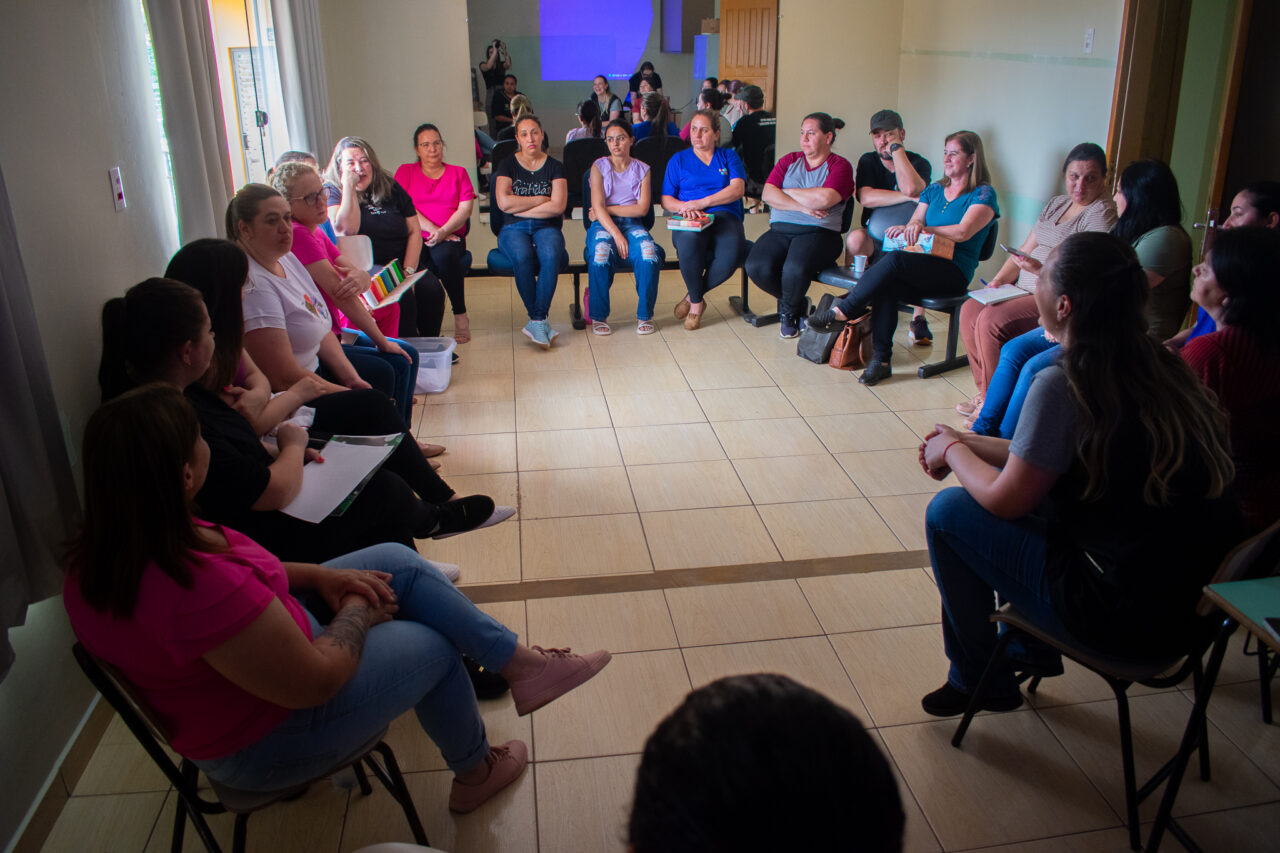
[(1252, 558), (579, 154), (656, 151), (503, 149), (151, 734)]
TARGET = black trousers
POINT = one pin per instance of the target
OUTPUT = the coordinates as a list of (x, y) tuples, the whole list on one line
[(786, 258), (445, 261), (709, 257), (422, 308), (899, 277)]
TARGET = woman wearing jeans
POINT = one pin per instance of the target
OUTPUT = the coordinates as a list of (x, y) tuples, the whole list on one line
[(1078, 521), (806, 192), (619, 200), (530, 190), (705, 179), (261, 690)]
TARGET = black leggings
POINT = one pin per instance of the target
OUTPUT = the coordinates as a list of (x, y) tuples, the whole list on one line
[(445, 260), (899, 277), (422, 308), (709, 257), (787, 257)]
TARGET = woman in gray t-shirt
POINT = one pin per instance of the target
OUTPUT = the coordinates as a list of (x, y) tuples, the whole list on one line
[(1071, 520)]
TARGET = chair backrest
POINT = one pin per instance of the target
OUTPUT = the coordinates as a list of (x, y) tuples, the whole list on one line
[(846, 218), (508, 132), (501, 151), (1256, 557), (579, 154), (989, 244), (656, 151), (124, 698), (359, 250)]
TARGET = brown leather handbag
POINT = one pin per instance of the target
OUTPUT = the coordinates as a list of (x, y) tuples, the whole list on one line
[(852, 350)]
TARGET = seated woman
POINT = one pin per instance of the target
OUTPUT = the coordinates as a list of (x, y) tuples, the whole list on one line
[(263, 690), (531, 191), (657, 118), (363, 199), (620, 199), (161, 331), (1256, 204), (749, 745), (389, 366), (1148, 195), (701, 180), (806, 192), (520, 106), (588, 120), (1240, 362), (712, 99), (610, 105), (960, 207), (1085, 207), (635, 100), (1074, 521), (1148, 192), (443, 198)]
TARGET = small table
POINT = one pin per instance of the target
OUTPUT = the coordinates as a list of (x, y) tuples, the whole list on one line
[(1247, 603)]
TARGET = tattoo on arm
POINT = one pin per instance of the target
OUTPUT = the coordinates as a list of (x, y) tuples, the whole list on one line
[(349, 628)]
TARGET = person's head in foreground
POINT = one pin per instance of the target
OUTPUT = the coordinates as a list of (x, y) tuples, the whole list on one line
[(759, 762)]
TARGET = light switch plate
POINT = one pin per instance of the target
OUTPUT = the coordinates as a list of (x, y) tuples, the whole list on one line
[(117, 188)]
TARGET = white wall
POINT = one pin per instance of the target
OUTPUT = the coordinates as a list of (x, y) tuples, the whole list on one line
[(78, 103), (393, 65)]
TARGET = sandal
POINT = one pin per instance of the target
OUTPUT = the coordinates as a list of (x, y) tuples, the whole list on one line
[(461, 328), (430, 450), (600, 327), (645, 327), (970, 406)]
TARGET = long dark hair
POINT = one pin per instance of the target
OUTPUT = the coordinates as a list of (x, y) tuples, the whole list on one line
[(135, 507), (752, 745), (143, 329), (1150, 197), (589, 113), (1246, 263), (1264, 196), (1119, 374), (218, 269), (657, 112)]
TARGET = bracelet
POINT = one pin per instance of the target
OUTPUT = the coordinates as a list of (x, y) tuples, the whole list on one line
[(953, 443)]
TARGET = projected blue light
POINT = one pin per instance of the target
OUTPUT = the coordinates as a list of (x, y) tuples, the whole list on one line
[(583, 38)]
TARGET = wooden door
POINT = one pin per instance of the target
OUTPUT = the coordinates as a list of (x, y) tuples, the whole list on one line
[(749, 44)]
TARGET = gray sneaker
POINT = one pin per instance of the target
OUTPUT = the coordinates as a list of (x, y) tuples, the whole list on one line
[(536, 331), (551, 333)]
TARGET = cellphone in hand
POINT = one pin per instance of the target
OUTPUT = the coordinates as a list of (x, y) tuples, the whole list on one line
[(1013, 251)]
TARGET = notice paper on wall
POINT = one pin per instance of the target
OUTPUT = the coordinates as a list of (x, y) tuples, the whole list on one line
[(329, 487)]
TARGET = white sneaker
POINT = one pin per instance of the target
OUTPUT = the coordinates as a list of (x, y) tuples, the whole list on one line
[(536, 331), (551, 333), (500, 514), (449, 570)]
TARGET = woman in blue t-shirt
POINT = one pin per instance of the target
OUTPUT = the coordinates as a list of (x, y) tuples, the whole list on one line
[(961, 207), (704, 180)]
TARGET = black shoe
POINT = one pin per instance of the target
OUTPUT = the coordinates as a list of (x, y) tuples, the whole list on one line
[(947, 701), (918, 332), (875, 371), (824, 319), (462, 515), (824, 303), (789, 326), (487, 684)]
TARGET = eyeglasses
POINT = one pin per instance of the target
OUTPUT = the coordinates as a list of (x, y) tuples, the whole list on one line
[(309, 198)]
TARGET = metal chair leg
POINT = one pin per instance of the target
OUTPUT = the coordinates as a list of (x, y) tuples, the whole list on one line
[(391, 778), (1126, 760), (575, 310), (1266, 671), (741, 305), (361, 779), (241, 833), (952, 361), (980, 692)]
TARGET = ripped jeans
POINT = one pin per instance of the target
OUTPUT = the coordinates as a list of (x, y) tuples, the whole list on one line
[(644, 257)]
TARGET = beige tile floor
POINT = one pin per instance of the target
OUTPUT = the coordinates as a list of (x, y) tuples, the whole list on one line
[(706, 504)]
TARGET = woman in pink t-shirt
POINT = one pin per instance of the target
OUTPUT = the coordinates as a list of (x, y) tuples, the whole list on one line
[(443, 197), (256, 690)]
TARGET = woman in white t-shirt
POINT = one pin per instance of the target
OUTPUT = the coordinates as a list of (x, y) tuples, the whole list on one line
[(287, 328)]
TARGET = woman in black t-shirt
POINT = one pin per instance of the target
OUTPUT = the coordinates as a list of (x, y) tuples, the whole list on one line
[(530, 190), (363, 198)]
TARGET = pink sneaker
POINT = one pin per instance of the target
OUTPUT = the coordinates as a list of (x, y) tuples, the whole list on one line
[(563, 672), (505, 763)]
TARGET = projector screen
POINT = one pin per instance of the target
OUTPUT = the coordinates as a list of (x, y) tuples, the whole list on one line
[(583, 38)]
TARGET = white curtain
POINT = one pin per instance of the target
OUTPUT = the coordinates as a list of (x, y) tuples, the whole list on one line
[(39, 508), (300, 52), (182, 38)]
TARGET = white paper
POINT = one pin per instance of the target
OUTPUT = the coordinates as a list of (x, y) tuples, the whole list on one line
[(348, 460), (992, 295)]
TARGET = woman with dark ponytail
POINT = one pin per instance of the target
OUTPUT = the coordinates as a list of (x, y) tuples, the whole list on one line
[(1076, 521), (657, 118), (589, 119)]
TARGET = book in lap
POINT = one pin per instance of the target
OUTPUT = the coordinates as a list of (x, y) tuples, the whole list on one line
[(389, 284), (992, 295), (680, 223)]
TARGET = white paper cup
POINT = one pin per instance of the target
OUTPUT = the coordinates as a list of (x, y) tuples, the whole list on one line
[(859, 264)]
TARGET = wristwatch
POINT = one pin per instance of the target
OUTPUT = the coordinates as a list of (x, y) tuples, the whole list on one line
[(894, 147), (410, 270)]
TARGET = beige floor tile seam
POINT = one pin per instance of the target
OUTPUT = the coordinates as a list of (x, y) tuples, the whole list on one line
[(485, 593), (1117, 767), (884, 749)]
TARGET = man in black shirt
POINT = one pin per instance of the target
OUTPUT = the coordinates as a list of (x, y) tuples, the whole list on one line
[(890, 180), (755, 132)]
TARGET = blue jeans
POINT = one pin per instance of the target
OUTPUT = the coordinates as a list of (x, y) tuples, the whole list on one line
[(644, 257), (386, 371), (1020, 360), (410, 662), (976, 555), (536, 248)]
